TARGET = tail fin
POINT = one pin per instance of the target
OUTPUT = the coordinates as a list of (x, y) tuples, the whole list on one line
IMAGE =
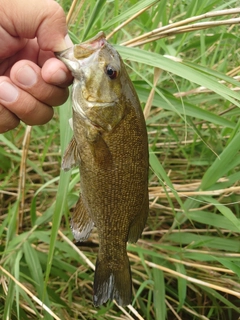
[(112, 283)]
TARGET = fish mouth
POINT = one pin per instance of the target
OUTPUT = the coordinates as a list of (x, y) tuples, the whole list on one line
[(78, 54), (67, 57), (85, 49), (91, 104)]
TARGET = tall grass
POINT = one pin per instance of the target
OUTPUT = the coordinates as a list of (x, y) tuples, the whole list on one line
[(182, 57)]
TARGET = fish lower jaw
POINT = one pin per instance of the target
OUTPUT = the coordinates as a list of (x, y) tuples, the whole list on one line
[(92, 104)]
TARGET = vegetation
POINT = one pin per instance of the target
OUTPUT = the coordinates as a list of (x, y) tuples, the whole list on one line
[(183, 58)]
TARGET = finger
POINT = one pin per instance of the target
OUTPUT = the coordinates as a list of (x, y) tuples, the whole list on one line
[(55, 72), (9, 44), (8, 120), (27, 76), (42, 19), (22, 104)]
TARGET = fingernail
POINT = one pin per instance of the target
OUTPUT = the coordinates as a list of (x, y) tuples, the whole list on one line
[(59, 77), (65, 43), (26, 76), (68, 41), (8, 92)]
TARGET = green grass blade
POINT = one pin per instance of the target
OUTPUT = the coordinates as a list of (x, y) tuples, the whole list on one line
[(213, 219), (222, 164), (182, 285), (202, 241), (160, 172), (158, 61), (159, 293), (94, 16), (36, 273), (61, 199), (16, 275), (139, 5), (226, 212), (9, 300), (182, 108)]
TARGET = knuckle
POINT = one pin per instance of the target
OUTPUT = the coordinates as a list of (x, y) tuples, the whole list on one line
[(8, 120)]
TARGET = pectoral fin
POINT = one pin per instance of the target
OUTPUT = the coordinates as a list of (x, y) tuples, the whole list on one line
[(71, 157), (81, 224)]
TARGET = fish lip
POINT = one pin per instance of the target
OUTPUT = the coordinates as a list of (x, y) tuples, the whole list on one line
[(67, 57), (82, 50), (66, 54), (73, 63), (77, 107), (100, 104), (85, 49), (100, 35)]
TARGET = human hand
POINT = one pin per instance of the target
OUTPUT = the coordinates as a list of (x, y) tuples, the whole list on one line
[(32, 80)]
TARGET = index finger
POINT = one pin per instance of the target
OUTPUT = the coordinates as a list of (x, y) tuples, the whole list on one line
[(43, 19)]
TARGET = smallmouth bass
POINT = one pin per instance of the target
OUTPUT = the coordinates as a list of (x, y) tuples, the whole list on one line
[(110, 145)]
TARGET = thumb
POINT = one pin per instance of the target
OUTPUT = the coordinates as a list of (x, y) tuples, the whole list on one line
[(43, 19)]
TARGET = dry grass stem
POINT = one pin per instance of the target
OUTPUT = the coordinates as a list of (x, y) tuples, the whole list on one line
[(71, 10), (22, 177), (91, 265), (173, 311), (189, 249), (200, 266), (160, 192), (128, 20), (158, 232), (200, 90), (147, 109), (199, 316), (81, 254), (190, 279), (181, 26), (29, 293)]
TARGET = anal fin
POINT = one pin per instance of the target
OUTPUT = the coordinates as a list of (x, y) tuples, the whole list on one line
[(81, 223)]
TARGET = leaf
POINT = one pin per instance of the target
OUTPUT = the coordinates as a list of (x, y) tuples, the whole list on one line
[(17, 259), (9, 300), (156, 60), (159, 293), (224, 162), (160, 172), (201, 241), (128, 13), (226, 212), (57, 209), (182, 285), (213, 219), (94, 16), (183, 107), (231, 265), (35, 270)]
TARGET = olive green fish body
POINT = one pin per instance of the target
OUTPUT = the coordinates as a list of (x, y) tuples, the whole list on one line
[(110, 145)]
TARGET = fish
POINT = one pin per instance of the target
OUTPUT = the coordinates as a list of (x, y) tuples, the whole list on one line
[(110, 146)]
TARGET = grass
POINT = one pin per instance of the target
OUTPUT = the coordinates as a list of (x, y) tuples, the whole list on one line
[(182, 57)]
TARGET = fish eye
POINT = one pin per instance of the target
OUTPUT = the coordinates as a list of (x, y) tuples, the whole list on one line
[(111, 72)]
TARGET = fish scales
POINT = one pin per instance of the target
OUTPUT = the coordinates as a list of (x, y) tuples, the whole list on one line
[(111, 148)]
